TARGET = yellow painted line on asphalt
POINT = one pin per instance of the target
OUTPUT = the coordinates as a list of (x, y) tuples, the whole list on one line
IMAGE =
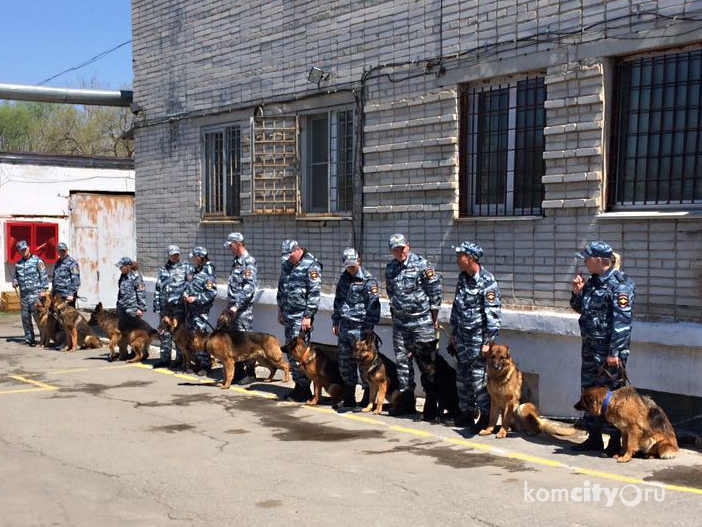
[(116, 367), (320, 409), (608, 475), (257, 393), (164, 371), (414, 431), (470, 444), (56, 372), (185, 376), (678, 488), (534, 459), (363, 419), (140, 365), (40, 386)]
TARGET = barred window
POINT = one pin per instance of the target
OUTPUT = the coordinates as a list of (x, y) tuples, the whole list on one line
[(222, 171), (502, 145), (656, 134), (329, 162)]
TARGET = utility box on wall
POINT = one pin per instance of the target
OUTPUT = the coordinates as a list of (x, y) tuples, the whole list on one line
[(42, 238)]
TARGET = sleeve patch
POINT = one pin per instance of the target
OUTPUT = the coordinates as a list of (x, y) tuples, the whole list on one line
[(247, 273), (210, 284), (140, 286), (374, 290), (623, 300), (74, 269), (490, 295), (429, 273), (314, 274), (41, 265)]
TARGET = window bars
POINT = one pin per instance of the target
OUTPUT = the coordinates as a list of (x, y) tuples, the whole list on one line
[(222, 171)]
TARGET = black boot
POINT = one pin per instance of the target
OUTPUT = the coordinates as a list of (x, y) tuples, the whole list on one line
[(593, 443), (365, 399), (300, 393), (350, 398), (481, 422), (614, 446), (406, 406), (238, 372), (249, 374), (465, 419), (162, 363)]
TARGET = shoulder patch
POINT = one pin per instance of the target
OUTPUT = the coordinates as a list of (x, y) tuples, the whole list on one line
[(247, 272), (74, 268), (623, 300), (374, 289), (140, 286), (41, 265), (314, 274), (429, 273), (209, 284), (490, 295)]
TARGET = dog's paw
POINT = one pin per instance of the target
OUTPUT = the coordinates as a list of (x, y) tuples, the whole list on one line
[(485, 432), (367, 409), (501, 434), (377, 411)]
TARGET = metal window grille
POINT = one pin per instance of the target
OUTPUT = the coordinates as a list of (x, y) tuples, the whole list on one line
[(502, 145), (656, 134), (329, 162), (222, 171), (275, 167)]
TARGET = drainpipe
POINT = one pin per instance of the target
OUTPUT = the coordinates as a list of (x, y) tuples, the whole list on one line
[(66, 95)]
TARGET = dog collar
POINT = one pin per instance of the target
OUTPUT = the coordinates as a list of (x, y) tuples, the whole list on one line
[(608, 397), (375, 363)]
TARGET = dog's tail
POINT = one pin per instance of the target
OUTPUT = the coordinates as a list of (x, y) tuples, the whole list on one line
[(92, 342), (535, 424)]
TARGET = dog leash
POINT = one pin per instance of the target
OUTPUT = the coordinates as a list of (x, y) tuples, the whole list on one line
[(619, 377)]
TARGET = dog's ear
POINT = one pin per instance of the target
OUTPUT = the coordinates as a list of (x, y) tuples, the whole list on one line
[(509, 355), (98, 308)]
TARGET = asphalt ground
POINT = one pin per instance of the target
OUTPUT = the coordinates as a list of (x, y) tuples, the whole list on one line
[(87, 442)]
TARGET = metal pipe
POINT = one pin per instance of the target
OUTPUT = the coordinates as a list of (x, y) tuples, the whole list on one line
[(66, 95)]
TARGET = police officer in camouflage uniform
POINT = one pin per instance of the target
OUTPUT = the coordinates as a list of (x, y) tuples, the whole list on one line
[(414, 290), (30, 277), (200, 293), (66, 276), (356, 312), (605, 303), (240, 296), (299, 292), (168, 301), (475, 321), (131, 297)]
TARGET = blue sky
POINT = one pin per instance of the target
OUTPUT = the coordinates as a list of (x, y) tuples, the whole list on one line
[(43, 37)]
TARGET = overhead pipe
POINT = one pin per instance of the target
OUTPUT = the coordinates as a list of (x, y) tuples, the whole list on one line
[(18, 92)]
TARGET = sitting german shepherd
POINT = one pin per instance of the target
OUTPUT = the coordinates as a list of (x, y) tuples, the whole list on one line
[(642, 423), (49, 328), (379, 372), (188, 343), (123, 332), (439, 382), (504, 384), (76, 330), (319, 368)]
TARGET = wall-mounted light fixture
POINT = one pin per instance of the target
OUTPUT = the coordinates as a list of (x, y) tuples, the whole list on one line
[(317, 75)]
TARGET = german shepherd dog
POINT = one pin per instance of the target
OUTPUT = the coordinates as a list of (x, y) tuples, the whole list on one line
[(188, 343), (319, 368), (379, 372), (642, 423), (49, 328), (76, 330), (123, 332), (438, 379), (504, 384)]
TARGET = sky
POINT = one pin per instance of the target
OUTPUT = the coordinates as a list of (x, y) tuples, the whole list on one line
[(41, 38)]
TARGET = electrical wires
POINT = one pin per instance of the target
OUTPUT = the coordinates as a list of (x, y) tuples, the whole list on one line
[(87, 62)]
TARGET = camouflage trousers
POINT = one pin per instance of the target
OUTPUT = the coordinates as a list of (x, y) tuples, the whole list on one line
[(293, 328), (244, 322), (27, 311), (348, 335), (177, 311), (594, 372), (471, 372), (406, 337), (197, 319)]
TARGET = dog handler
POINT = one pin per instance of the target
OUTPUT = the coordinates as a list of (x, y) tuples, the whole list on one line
[(414, 290), (475, 321), (604, 302), (356, 312), (131, 297), (200, 293), (168, 301), (30, 277), (66, 276)]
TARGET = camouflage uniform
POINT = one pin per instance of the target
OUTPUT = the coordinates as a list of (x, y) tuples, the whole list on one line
[(299, 292), (202, 285), (66, 280), (168, 298), (414, 290), (30, 276), (356, 312), (475, 321), (132, 292)]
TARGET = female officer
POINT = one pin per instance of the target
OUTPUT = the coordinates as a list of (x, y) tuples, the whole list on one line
[(131, 298), (604, 303), (200, 293)]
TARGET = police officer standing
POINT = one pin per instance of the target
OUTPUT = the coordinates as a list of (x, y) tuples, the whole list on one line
[(299, 292), (240, 297), (66, 276), (356, 312), (30, 277), (604, 302), (131, 297), (200, 293), (475, 321), (168, 301), (414, 290)]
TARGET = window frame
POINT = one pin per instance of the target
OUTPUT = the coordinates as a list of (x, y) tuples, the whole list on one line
[(470, 156), (225, 129), (333, 160)]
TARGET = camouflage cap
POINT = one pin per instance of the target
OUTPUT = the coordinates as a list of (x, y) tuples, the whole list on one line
[(21, 245), (287, 247), (596, 249), (61, 247), (397, 240), (350, 257), (173, 249), (470, 249), (234, 237), (125, 260), (198, 250)]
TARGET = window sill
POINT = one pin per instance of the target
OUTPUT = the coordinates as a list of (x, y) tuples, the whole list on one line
[(323, 218), (648, 215), (230, 220), (498, 218)]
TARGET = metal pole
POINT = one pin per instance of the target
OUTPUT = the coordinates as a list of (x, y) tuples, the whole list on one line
[(66, 95)]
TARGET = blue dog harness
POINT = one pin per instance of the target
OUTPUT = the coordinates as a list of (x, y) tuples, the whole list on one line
[(608, 397)]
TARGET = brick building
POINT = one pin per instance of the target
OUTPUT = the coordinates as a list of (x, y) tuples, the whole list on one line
[(527, 127)]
